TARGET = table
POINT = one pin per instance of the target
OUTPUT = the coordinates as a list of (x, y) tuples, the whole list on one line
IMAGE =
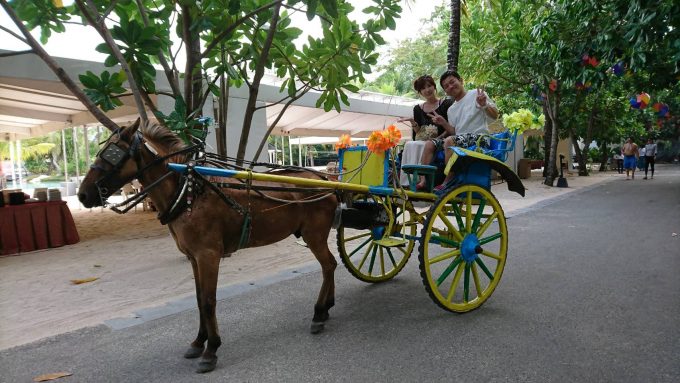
[(34, 226)]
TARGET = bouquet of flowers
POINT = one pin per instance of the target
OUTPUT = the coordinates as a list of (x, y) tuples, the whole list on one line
[(427, 132), (379, 141), (523, 119), (344, 142)]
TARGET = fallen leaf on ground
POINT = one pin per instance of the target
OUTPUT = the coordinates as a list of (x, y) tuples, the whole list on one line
[(675, 234), (85, 280), (51, 376)]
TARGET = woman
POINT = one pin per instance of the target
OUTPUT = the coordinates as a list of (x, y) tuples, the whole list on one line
[(423, 128)]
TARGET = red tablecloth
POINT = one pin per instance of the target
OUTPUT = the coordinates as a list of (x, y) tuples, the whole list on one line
[(35, 226)]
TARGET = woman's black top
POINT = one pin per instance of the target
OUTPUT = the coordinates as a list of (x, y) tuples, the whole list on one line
[(423, 119)]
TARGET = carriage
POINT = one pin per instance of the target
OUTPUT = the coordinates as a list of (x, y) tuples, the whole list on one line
[(461, 233), (461, 237)]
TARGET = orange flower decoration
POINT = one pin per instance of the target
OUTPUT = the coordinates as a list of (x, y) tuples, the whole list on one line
[(392, 135), (377, 142), (344, 142)]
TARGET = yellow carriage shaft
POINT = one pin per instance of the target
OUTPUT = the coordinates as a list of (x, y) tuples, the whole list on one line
[(337, 185)]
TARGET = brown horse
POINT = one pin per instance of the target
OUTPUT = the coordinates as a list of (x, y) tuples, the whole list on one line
[(212, 226)]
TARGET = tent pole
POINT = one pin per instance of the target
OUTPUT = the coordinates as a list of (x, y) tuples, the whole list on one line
[(290, 151), (75, 153), (21, 164), (13, 164), (299, 152), (63, 152), (283, 150), (87, 146)]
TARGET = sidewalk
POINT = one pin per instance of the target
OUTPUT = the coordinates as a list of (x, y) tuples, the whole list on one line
[(138, 266)]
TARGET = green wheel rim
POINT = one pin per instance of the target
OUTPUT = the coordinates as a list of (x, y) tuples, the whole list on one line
[(370, 261), (463, 248)]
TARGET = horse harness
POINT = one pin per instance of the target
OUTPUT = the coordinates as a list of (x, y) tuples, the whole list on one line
[(190, 186)]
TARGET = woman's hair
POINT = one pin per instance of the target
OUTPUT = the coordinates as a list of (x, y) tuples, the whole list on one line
[(447, 74), (423, 82)]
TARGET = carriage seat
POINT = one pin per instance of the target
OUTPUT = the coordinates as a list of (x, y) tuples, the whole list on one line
[(500, 144)]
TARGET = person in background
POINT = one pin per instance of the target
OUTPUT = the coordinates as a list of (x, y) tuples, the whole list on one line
[(466, 120), (641, 160), (422, 126), (630, 154), (618, 157), (650, 156)]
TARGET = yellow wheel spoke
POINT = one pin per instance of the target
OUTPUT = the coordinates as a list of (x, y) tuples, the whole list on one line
[(357, 237), (368, 249), (475, 277), (491, 255), (456, 279), (487, 223), (450, 226), (443, 257), (468, 212), (382, 261)]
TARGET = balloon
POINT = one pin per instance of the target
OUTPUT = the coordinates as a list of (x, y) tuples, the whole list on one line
[(643, 97), (618, 69), (634, 103)]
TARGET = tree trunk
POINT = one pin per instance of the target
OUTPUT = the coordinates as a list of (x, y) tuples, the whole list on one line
[(454, 36), (581, 156), (604, 156), (254, 87), (553, 103), (222, 107), (192, 73), (547, 139)]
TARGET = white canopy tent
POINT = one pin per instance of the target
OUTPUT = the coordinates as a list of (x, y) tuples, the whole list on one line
[(34, 103)]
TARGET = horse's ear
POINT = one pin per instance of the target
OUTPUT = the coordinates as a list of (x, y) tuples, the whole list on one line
[(130, 130)]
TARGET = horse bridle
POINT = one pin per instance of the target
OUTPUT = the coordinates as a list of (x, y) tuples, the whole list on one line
[(115, 157)]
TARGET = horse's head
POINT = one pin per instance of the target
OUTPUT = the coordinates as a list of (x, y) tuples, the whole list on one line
[(116, 164)]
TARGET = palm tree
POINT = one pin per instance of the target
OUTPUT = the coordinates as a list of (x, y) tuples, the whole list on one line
[(454, 35)]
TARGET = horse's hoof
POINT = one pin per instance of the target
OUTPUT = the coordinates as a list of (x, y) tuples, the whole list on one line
[(206, 365), (193, 352), (316, 328)]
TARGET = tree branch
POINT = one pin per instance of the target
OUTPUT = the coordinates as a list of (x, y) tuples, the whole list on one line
[(59, 71), (235, 25), (259, 73), (14, 34), (172, 78), (100, 26), (276, 121)]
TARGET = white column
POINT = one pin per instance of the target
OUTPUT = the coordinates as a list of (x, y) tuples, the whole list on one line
[(290, 151)]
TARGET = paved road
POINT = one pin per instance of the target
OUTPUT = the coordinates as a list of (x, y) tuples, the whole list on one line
[(590, 293)]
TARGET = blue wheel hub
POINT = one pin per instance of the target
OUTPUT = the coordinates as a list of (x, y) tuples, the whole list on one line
[(470, 247), (377, 232)]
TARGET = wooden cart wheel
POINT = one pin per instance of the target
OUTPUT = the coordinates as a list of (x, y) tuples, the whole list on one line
[(463, 248), (371, 255)]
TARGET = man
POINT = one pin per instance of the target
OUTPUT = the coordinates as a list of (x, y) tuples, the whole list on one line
[(466, 119), (650, 156), (630, 155)]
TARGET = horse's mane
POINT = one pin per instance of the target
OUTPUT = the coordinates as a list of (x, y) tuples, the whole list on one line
[(164, 141)]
